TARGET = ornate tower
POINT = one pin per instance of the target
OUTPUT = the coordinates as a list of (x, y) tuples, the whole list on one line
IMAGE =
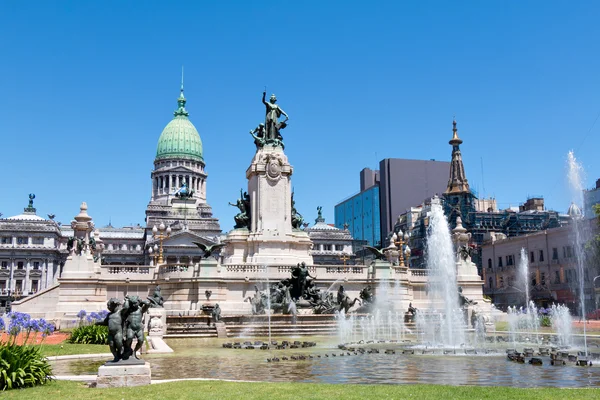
[(178, 197), (458, 196)]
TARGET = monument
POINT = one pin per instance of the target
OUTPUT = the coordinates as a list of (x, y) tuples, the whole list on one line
[(267, 228), (125, 323)]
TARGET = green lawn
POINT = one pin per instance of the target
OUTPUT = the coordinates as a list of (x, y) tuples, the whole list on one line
[(233, 390), (65, 348)]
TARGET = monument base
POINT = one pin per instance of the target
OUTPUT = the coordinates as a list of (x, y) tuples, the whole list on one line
[(119, 375)]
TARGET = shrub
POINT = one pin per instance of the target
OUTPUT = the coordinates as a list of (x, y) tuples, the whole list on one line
[(90, 334), (545, 321), (22, 366)]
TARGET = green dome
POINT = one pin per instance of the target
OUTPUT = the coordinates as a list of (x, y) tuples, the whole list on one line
[(180, 139)]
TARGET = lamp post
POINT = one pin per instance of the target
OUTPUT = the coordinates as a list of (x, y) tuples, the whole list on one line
[(344, 258), (402, 240), (164, 233)]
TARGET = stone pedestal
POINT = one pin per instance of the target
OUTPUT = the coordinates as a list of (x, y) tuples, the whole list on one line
[(270, 238), (157, 322), (121, 375)]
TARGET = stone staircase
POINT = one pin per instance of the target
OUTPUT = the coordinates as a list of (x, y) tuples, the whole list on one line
[(252, 326)]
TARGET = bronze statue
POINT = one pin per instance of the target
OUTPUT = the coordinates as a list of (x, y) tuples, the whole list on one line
[(300, 275), (184, 193), (379, 254), (273, 112), (464, 300), (259, 136), (209, 250), (366, 295), (242, 219), (343, 300), (133, 309), (216, 314), (114, 321), (156, 300), (297, 218)]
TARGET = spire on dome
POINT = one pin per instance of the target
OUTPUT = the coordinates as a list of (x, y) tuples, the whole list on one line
[(457, 183), (181, 111)]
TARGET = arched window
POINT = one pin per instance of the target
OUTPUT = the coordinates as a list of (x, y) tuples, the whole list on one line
[(489, 263), (491, 281)]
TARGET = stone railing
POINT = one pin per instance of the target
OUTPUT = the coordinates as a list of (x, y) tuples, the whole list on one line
[(127, 272), (128, 269), (344, 269), (246, 268)]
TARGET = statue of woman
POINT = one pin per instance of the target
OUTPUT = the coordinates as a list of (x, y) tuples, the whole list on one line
[(273, 112)]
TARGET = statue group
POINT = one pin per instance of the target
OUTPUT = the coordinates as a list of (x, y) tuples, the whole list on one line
[(125, 323), (269, 132), (299, 291)]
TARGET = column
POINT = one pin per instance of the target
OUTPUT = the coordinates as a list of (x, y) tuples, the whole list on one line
[(171, 179), (42, 283), (11, 283), (163, 180), (177, 182), (26, 284), (198, 182)]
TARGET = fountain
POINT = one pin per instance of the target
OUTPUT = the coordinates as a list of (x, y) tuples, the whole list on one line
[(444, 307), (524, 274), (575, 178), (562, 323)]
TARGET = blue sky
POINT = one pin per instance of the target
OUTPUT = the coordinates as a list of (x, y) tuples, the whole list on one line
[(87, 87)]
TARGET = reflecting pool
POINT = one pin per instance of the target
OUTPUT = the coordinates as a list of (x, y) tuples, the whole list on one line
[(206, 358)]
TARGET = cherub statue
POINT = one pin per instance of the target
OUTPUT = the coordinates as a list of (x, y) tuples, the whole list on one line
[(133, 309), (114, 321)]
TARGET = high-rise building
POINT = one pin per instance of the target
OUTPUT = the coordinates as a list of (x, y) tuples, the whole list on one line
[(398, 185)]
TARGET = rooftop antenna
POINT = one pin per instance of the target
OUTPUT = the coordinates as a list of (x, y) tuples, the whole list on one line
[(182, 78)]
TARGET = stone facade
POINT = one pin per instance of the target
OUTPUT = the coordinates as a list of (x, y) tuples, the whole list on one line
[(553, 276)]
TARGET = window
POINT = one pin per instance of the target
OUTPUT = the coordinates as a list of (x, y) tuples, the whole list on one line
[(6, 240), (490, 264), (501, 281), (499, 261), (20, 265), (327, 247), (541, 257), (554, 253), (38, 240), (531, 257), (543, 279), (22, 240), (339, 247), (2, 285), (4, 264), (569, 251), (34, 286), (36, 265), (490, 281), (556, 277), (509, 260), (19, 286), (533, 281)]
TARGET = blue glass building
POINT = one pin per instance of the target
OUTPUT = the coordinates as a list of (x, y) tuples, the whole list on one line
[(360, 213)]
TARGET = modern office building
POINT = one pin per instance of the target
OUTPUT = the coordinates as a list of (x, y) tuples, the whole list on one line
[(398, 185)]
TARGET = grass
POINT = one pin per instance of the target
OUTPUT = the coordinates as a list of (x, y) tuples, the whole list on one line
[(65, 348), (219, 390)]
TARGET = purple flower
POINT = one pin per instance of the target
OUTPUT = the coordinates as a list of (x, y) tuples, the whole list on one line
[(103, 314), (81, 314), (2, 326)]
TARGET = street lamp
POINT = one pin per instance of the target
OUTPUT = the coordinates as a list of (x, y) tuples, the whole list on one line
[(402, 240), (164, 233)]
